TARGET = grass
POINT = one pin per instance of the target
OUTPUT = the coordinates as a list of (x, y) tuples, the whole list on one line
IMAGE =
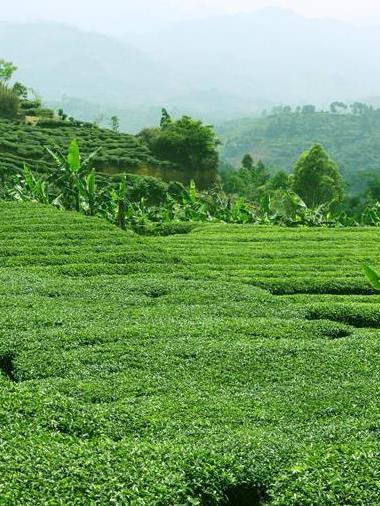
[(230, 365)]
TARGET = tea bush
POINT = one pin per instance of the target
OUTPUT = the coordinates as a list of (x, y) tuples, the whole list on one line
[(173, 370), (25, 144)]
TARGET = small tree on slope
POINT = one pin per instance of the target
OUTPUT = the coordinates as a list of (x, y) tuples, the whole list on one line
[(316, 178)]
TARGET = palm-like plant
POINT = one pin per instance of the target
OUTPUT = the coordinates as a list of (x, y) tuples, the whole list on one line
[(89, 192), (30, 187), (74, 177), (372, 276), (117, 199)]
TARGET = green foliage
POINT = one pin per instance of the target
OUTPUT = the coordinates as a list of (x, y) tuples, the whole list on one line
[(248, 181), (373, 188), (279, 181), (166, 119), (146, 203), (372, 276), (247, 162), (151, 189), (30, 187), (7, 69), (351, 139), (316, 178), (89, 191), (9, 103), (337, 106), (25, 144), (308, 109), (20, 90), (190, 146), (164, 371), (115, 123), (74, 178)]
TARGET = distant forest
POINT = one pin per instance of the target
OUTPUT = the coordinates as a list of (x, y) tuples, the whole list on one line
[(351, 134)]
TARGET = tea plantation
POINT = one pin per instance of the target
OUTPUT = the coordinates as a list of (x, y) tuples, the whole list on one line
[(233, 365), (21, 143)]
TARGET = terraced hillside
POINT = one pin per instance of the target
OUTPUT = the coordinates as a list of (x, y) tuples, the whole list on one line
[(234, 365), (352, 140), (25, 144)]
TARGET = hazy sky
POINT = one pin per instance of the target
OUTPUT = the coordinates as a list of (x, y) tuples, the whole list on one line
[(123, 15)]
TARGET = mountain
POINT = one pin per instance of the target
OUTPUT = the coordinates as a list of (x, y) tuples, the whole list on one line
[(218, 68), (93, 75), (274, 55), (59, 60)]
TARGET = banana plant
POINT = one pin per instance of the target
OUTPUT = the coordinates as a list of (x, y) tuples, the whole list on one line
[(372, 276), (118, 203), (71, 173), (30, 187), (89, 193)]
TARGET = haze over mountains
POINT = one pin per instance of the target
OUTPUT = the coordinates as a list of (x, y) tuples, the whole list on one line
[(275, 55), (218, 68)]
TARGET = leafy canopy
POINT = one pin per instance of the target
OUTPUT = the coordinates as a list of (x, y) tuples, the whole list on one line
[(188, 144), (316, 178), (248, 181), (7, 69), (9, 103)]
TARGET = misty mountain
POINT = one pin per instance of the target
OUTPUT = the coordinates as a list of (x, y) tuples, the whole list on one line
[(217, 69), (93, 76), (59, 60), (274, 55)]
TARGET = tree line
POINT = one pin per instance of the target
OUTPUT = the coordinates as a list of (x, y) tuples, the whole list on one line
[(336, 107)]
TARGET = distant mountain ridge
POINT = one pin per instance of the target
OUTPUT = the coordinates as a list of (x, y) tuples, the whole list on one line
[(276, 55), (218, 68), (58, 60)]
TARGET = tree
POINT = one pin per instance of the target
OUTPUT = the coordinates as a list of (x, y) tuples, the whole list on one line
[(20, 90), (62, 115), (316, 178), (9, 103), (336, 107), (359, 108), (165, 118), (7, 69), (279, 181), (74, 178), (190, 146), (249, 181), (115, 123), (373, 188), (247, 162), (309, 109)]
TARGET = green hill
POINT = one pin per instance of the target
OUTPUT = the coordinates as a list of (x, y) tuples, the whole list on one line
[(160, 372), (21, 143), (352, 140)]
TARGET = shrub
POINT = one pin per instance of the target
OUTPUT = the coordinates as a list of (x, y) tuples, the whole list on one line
[(9, 103)]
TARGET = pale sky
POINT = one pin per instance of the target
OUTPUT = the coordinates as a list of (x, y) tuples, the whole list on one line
[(122, 15)]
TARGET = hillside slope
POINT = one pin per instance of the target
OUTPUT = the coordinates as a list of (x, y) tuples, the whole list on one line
[(352, 140), (24, 144), (136, 371)]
